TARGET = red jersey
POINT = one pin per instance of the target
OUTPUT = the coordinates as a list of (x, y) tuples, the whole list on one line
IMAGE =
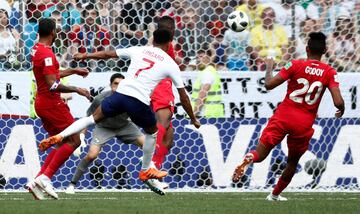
[(307, 81), (44, 62), (163, 92)]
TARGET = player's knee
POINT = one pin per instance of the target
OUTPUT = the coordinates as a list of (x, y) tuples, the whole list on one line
[(91, 156), (74, 140), (150, 130)]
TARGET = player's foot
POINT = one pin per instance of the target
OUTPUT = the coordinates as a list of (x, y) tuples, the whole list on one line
[(70, 189), (241, 169), (155, 186), (151, 173), (44, 183), (35, 191), (272, 197), (48, 142)]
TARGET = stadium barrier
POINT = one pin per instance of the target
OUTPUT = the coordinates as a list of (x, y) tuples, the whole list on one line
[(200, 159)]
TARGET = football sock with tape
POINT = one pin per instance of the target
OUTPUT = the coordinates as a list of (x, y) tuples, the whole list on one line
[(255, 156), (148, 150), (47, 161), (80, 170), (77, 126), (280, 186), (160, 151), (63, 153)]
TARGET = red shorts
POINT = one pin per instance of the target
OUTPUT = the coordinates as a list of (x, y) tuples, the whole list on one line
[(298, 136), (163, 96), (55, 119)]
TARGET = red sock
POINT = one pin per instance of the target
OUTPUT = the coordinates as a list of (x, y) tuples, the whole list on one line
[(59, 159), (255, 155), (47, 161), (280, 186), (160, 150)]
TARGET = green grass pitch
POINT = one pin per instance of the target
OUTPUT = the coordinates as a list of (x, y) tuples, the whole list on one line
[(182, 203)]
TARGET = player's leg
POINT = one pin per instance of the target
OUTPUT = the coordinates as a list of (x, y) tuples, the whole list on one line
[(142, 115), (47, 161), (272, 135), (55, 120), (285, 178), (130, 133), (83, 166), (164, 140), (298, 143), (254, 156), (63, 153), (110, 106)]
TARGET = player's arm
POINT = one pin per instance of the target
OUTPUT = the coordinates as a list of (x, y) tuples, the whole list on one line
[(184, 98), (271, 81), (79, 71), (333, 85), (186, 104), (201, 99), (96, 55), (55, 86), (338, 101)]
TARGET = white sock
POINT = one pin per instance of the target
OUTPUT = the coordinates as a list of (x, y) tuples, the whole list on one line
[(77, 126), (148, 150)]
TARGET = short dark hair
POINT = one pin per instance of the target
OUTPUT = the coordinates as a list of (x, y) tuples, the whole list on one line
[(116, 75), (162, 36), (317, 43), (56, 13), (88, 8), (207, 52), (46, 26), (166, 22), (7, 16)]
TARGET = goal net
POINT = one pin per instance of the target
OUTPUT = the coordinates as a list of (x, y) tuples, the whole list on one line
[(201, 159)]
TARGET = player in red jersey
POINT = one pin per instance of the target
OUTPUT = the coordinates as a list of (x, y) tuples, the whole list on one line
[(162, 102), (294, 117), (53, 112)]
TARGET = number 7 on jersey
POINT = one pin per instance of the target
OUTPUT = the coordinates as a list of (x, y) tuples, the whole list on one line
[(151, 64)]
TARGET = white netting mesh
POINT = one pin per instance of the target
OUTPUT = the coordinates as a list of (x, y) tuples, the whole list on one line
[(198, 159)]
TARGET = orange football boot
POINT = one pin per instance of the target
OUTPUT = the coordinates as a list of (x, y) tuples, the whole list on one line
[(241, 169), (151, 173), (48, 142)]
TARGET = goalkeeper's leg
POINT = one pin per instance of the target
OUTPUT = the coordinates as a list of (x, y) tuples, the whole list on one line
[(92, 154)]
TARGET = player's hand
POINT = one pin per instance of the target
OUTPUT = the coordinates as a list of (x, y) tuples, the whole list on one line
[(81, 72), (79, 56), (196, 123), (339, 114), (269, 62), (84, 92)]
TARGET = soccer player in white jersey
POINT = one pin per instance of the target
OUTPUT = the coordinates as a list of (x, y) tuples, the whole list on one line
[(149, 65)]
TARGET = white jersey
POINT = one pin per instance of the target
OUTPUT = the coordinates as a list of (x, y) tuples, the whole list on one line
[(149, 65)]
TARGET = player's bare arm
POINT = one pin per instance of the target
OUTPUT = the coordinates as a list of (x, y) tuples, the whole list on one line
[(79, 71), (271, 82), (185, 102), (202, 96), (338, 101), (55, 85), (96, 55)]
